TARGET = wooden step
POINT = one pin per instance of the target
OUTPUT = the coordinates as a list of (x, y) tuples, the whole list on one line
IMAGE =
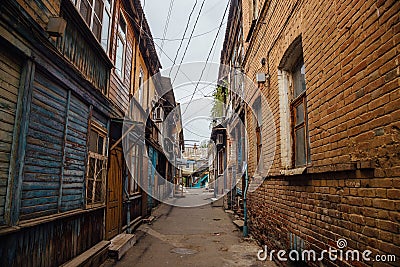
[(91, 257), (120, 245)]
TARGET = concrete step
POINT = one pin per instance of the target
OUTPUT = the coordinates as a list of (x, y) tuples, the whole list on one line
[(91, 257), (239, 223), (120, 245), (215, 202)]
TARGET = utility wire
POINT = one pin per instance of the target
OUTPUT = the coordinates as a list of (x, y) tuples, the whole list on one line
[(186, 38), (190, 38), (183, 37), (158, 46), (171, 4), (208, 57)]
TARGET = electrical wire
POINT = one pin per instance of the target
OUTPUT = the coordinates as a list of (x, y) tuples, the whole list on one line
[(183, 37), (171, 4), (187, 38), (208, 57), (190, 38)]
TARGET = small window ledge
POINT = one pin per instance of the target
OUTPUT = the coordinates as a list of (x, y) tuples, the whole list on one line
[(296, 171)]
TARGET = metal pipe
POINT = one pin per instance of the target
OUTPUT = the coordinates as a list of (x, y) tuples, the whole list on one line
[(246, 179)]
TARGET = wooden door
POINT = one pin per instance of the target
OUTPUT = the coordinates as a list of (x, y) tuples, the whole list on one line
[(114, 194)]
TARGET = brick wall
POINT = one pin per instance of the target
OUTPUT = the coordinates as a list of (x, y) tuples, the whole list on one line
[(352, 186)]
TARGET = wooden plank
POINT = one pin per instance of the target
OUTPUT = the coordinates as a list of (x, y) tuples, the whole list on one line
[(87, 255), (10, 75), (120, 245), (39, 193), (43, 200)]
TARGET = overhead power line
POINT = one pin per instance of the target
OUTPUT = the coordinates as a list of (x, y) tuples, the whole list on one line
[(208, 57), (190, 38), (183, 37), (171, 4)]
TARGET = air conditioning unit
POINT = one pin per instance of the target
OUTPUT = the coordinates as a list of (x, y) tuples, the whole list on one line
[(158, 114), (220, 139)]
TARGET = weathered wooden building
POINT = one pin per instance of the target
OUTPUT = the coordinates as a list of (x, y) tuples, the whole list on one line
[(68, 70)]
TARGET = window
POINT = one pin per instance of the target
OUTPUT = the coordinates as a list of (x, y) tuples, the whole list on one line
[(140, 94), (121, 43), (136, 169), (299, 116), (295, 145), (255, 9), (96, 166), (97, 15), (258, 126), (220, 162)]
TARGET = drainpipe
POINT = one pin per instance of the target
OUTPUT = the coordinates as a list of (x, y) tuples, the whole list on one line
[(246, 179), (128, 203)]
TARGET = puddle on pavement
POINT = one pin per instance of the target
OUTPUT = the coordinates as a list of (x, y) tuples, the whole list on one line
[(183, 251)]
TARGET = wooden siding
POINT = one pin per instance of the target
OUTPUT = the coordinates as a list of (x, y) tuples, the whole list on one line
[(82, 49), (120, 87), (41, 10), (75, 155), (10, 73), (52, 243), (44, 150), (54, 168)]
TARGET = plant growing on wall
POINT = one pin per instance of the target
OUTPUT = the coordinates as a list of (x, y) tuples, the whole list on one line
[(220, 94)]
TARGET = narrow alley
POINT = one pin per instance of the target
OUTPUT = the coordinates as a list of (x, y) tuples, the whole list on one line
[(200, 236), (200, 133)]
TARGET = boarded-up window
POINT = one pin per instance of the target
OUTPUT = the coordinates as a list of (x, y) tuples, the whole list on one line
[(54, 169)]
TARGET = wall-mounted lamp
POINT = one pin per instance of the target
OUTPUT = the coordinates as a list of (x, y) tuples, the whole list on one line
[(56, 26), (263, 61)]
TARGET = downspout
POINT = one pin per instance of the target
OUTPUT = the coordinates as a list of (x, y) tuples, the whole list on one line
[(128, 208), (246, 179)]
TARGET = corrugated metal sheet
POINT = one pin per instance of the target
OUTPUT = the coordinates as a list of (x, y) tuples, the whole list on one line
[(10, 72)]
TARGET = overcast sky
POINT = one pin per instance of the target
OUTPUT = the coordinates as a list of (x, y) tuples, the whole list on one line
[(196, 123)]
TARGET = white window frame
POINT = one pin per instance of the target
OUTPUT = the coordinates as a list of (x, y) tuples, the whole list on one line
[(107, 11), (141, 83), (121, 35)]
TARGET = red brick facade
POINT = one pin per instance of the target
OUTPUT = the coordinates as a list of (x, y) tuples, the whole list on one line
[(351, 188)]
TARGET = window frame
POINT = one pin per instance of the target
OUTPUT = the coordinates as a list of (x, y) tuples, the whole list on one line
[(295, 126), (133, 187), (121, 36), (140, 88), (101, 131), (220, 162), (107, 9)]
